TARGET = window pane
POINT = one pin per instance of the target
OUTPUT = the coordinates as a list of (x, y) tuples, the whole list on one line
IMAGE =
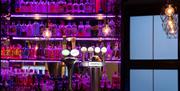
[(141, 37), (141, 80), (164, 48), (166, 80)]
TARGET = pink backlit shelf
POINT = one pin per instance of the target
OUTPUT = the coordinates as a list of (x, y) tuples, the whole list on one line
[(52, 61), (39, 16), (79, 39)]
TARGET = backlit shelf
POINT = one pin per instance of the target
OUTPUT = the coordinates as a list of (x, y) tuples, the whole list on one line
[(66, 16), (54, 39), (50, 61)]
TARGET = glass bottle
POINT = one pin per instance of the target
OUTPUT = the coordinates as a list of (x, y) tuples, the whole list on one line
[(74, 29), (68, 29), (36, 28), (25, 52), (61, 6), (23, 28), (82, 7), (69, 7), (75, 7), (81, 29), (18, 29), (112, 27), (29, 29), (62, 28), (88, 7), (87, 29), (13, 29), (109, 52), (42, 28)]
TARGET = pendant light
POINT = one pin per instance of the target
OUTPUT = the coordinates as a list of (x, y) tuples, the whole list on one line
[(169, 19)]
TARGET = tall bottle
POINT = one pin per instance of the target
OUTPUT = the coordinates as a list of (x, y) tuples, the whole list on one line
[(112, 27), (87, 29), (82, 7), (23, 6), (81, 29), (52, 6), (42, 28), (23, 28), (109, 52), (17, 6), (25, 52), (116, 52), (62, 28), (88, 7), (61, 6), (29, 29), (69, 7), (74, 29), (36, 28), (18, 29), (75, 7), (13, 29), (68, 29)]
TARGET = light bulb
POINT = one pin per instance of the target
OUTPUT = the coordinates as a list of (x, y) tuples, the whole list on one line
[(103, 49), (97, 50), (65, 52), (106, 29), (74, 52), (84, 49), (169, 11), (90, 49)]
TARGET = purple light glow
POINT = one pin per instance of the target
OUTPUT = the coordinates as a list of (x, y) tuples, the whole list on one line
[(41, 38), (61, 16)]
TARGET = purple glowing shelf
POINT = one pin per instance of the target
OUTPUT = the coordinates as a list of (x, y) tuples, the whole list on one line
[(50, 61), (67, 16), (79, 39)]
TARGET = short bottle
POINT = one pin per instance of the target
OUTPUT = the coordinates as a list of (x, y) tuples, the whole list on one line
[(74, 29), (88, 7), (29, 29), (18, 29), (68, 29), (13, 29)]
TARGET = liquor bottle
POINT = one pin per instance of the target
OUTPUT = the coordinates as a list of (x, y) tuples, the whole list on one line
[(47, 52), (112, 27), (11, 52), (93, 6), (28, 6), (42, 28), (109, 51), (23, 6), (87, 29), (100, 27), (81, 7), (18, 29), (25, 52), (69, 7), (75, 7), (61, 6), (52, 6), (74, 29), (13, 29), (17, 6), (116, 52), (43, 6), (54, 27), (23, 29), (36, 28), (29, 29), (81, 29), (62, 28), (3, 52), (88, 7), (68, 29)]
